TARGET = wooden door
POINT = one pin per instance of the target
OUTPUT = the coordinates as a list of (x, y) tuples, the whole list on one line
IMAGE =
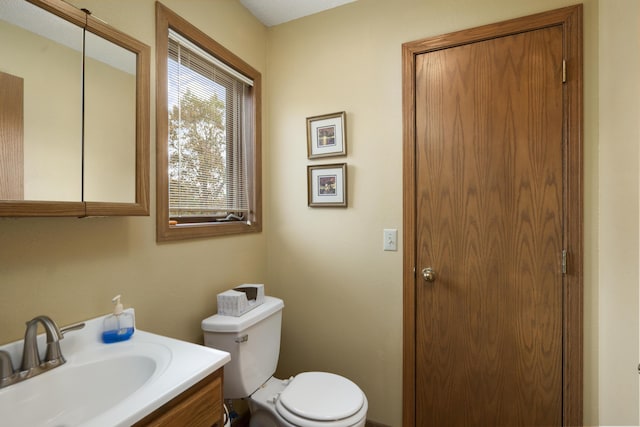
[(490, 217)]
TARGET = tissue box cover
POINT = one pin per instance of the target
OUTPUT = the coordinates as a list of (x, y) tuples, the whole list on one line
[(241, 299)]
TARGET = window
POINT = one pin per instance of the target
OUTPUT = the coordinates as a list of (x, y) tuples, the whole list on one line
[(208, 135)]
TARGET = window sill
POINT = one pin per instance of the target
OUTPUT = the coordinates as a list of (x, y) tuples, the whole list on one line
[(166, 232)]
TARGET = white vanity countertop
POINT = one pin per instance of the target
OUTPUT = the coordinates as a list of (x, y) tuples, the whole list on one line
[(101, 384)]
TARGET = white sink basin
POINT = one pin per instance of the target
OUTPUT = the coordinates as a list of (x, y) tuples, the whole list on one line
[(76, 391), (106, 384)]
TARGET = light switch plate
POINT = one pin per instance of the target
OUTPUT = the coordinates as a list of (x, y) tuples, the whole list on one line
[(390, 236)]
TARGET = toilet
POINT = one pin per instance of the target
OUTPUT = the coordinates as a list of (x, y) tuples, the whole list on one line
[(309, 399)]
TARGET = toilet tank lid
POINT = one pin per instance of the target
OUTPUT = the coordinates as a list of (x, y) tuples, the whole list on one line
[(219, 323)]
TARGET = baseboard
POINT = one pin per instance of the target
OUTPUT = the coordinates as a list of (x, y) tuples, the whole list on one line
[(375, 424)]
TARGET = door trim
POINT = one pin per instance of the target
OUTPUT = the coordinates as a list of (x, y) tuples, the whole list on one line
[(570, 18)]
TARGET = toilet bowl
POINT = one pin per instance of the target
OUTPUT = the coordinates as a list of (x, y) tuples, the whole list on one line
[(310, 399)]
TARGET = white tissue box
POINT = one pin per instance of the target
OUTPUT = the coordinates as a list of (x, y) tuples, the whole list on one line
[(241, 299)]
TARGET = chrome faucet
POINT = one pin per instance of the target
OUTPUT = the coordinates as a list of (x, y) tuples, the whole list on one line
[(32, 365)]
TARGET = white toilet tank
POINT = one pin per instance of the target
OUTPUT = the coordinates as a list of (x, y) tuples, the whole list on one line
[(253, 340)]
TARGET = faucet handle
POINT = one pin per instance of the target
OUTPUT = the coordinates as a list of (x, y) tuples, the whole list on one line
[(6, 367), (8, 375), (70, 328)]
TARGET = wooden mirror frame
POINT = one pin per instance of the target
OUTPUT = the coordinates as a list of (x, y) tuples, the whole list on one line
[(31, 208)]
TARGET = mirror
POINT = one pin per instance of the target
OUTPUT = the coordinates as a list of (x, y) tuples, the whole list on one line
[(71, 143), (50, 132), (110, 133)]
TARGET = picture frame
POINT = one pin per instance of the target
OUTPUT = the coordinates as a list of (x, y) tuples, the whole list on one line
[(327, 185), (327, 135)]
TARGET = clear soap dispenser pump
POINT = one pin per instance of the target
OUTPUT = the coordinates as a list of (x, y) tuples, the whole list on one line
[(118, 326)]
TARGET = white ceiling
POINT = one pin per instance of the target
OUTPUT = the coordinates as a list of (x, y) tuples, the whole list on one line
[(274, 12)]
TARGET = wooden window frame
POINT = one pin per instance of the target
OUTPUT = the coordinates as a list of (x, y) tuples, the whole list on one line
[(165, 20)]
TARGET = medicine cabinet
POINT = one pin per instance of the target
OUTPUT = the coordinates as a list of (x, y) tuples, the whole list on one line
[(74, 114)]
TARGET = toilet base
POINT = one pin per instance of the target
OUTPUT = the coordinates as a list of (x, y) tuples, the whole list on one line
[(262, 418), (262, 405)]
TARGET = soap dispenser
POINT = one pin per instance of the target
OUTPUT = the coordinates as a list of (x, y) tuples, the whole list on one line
[(118, 326)]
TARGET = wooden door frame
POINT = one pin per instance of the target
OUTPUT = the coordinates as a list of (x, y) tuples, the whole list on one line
[(570, 18)]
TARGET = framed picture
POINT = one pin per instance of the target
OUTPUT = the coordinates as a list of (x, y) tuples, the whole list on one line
[(327, 135), (327, 185)]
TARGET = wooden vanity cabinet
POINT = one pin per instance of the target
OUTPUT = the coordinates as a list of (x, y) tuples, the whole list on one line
[(199, 406)]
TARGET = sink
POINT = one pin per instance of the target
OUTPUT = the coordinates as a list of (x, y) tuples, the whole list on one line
[(74, 392), (107, 384)]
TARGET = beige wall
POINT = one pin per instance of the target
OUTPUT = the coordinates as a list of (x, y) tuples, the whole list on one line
[(343, 294), (617, 276)]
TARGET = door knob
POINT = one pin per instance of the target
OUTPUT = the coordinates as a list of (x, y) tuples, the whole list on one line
[(428, 274)]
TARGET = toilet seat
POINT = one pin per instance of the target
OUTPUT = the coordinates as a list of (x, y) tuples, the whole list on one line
[(322, 399)]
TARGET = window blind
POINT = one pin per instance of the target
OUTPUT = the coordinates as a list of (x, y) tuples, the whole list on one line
[(207, 131)]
